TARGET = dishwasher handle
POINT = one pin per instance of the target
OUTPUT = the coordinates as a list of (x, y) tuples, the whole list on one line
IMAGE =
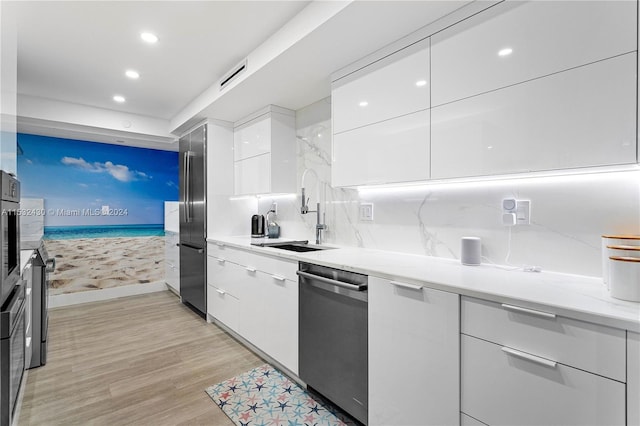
[(356, 287)]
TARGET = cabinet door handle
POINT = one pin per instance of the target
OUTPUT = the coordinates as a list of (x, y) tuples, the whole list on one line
[(528, 311), (250, 269), (220, 245), (532, 358), (278, 278), (220, 261), (407, 285), (222, 292)]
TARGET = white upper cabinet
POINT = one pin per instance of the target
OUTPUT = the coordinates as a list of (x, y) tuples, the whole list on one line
[(252, 139), (391, 87), (391, 151), (578, 118), (265, 152), (517, 41), (381, 121)]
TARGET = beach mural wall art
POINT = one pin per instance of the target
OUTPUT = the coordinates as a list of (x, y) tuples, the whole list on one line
[(103, 209)]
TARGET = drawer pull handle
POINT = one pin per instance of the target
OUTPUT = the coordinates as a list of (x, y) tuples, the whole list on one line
[(220, 245), (407, 285), (222, 292), (533, 358), (250, 269), (528, 311), (278, 278), (220, 261)]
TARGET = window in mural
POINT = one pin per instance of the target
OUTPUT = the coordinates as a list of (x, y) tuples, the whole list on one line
[(102, 209)]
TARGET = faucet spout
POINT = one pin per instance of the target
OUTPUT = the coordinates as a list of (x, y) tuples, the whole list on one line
[(320, 225)]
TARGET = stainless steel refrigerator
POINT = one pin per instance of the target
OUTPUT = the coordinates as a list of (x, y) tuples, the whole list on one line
[(193, 256)]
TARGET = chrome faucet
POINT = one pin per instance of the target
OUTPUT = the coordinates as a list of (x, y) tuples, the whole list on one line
[(304, 208)]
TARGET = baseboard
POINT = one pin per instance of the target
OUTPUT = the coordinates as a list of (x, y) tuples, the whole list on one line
[(67, 299), (256, 351)]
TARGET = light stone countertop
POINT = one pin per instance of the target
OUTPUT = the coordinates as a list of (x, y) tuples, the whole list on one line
[(573, 296), (25, 256)]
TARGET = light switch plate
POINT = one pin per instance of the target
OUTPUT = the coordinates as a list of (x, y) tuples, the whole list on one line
[(366, 211)]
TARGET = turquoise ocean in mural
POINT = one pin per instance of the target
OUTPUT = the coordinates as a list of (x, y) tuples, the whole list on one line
[(106, 231)]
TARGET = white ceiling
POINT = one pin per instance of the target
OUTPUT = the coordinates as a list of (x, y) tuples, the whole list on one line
[(77, 52)]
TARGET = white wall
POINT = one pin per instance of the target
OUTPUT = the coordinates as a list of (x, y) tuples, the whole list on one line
[(568, 213), (8, 89)]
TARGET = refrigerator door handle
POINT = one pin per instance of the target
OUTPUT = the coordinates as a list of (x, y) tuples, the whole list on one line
[(188, 177), (185, 178)]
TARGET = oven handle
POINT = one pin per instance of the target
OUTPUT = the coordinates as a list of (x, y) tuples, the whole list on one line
[(356, 287), (50, 265)]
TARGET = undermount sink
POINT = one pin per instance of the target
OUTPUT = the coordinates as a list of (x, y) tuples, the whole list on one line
[(298, 246)]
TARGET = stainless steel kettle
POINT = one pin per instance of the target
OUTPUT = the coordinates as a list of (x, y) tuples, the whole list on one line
[(257, 226)]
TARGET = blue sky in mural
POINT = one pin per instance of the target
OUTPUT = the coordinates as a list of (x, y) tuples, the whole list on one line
[(78, 179)]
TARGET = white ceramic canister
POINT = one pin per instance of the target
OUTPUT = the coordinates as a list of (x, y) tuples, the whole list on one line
[(619, 251), (624, 278), (614, 240)]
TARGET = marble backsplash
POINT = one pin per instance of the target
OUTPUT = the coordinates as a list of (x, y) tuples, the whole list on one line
[(568, 213)]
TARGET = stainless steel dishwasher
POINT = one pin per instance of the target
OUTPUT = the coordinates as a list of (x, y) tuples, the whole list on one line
[(333, 358)]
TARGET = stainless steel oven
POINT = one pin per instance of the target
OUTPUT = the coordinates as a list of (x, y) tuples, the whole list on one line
[(12, 352), (9, 234)]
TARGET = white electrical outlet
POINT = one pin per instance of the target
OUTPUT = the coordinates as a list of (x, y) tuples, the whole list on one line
[(366, 211), (516, 212)]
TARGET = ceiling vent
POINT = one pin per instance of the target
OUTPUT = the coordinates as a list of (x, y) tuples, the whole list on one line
[(233, 74)]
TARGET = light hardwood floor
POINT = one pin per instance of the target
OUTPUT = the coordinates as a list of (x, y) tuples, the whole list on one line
[(137, 360)]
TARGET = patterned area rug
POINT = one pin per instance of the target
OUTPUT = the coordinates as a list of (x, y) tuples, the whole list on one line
[(265, 397)]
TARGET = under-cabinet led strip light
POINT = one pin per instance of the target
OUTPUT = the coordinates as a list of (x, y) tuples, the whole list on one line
[(576, 175)]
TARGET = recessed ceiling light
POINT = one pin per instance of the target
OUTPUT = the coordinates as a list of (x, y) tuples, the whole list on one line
[(119, 98), (363, 103), (421, 83), (149, 37), (505, 52), (132, 74)]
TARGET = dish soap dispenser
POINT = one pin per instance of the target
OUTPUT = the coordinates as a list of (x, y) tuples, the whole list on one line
[(273, 229)]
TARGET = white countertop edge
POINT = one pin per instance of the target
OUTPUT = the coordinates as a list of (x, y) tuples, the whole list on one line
[(573, 296), (25, 256)]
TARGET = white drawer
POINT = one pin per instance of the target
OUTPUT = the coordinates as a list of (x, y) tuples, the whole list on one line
[(224, 275), (579, 344), (232, 254), (223, 307), (277, 267), (500, 388)]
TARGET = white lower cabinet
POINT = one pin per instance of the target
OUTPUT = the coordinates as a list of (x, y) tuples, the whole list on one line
[(269, 320), (257, 299), (523, 366), (500, 388), (413, 355), (172, 260), (633, 379), (223, 282)]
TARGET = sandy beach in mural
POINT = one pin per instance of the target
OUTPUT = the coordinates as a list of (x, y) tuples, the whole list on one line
[(85, 264)]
